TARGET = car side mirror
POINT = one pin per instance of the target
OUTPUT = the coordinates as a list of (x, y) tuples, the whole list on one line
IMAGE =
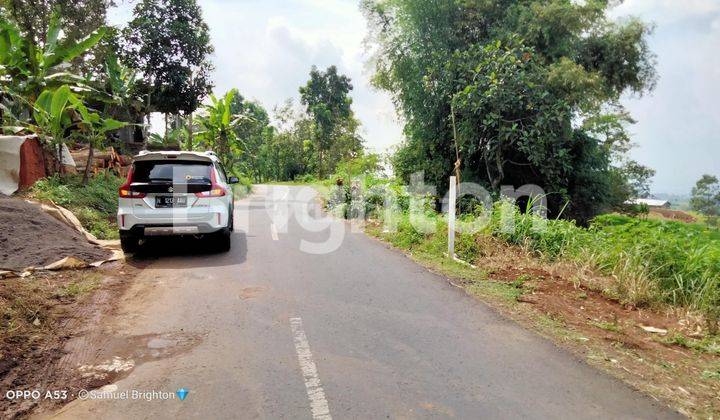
[(233, 180)]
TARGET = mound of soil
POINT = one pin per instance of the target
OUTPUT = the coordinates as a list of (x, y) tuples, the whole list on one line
[(31, 238), (675, 215)]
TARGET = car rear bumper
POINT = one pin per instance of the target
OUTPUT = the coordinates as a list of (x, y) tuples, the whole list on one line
[(206, 221), (172, 229)]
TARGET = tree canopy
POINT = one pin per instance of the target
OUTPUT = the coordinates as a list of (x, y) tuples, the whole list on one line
[(34, 17), (706, 196), (169, 43), (534, 85), (327, 101)]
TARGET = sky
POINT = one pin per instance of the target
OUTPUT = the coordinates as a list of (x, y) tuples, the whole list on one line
[(266, 48)]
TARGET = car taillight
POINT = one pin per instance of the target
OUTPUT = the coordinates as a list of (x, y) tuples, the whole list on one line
[(125, 191), (215, 189)]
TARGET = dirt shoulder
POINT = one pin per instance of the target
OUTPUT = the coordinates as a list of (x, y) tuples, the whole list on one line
[(41, 313), (656, 350)]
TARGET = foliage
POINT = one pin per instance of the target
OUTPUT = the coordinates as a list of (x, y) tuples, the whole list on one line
[(648, 261), (534, 87), (95, 204), (706, 196), (327, 101), (34, 17), (218, 125), (637, 179), (253, 128), (27, 68), (287, 151), (169, 43), (366, 164)]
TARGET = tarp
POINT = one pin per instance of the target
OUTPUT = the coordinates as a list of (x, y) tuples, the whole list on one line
[(10, 163)]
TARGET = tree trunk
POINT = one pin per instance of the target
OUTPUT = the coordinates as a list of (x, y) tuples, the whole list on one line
[(59, 159), (320, 164), (190, 132), (501, 173), (88, 165), (166, 128)]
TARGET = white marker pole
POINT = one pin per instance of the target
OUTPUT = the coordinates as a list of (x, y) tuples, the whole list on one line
[(451, 218)]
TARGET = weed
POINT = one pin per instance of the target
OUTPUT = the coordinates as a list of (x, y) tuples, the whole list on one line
[(80, 287), (607, 326), (712, 374), (94, 204), (709, 344)]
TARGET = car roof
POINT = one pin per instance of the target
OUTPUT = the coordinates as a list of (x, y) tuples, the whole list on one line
[(176, 155)]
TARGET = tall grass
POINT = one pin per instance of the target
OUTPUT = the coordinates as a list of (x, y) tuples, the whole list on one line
[(94, 204), (650, 261)]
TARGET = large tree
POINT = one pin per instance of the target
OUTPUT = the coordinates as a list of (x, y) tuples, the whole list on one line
[(532, 85), (169, 43), (326, 97), (251, 131), (706, 196), (81, 17)]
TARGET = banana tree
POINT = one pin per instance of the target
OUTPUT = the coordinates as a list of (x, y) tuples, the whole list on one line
[(217, 123), (52, 112), (28, 69), (93, 128)]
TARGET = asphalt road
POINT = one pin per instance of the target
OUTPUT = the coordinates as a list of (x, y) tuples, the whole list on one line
[(360, 332)]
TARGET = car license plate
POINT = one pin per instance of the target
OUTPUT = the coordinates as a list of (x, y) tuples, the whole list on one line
[(164, 201)]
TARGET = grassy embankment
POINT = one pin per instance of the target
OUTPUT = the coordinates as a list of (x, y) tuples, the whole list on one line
[(651, 262), (592, 289), (95, 204)]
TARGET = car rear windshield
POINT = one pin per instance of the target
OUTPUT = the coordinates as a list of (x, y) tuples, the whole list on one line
[(178, 172)]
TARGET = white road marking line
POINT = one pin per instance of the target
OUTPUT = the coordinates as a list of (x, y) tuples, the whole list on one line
[(273, 232), (316, 395)]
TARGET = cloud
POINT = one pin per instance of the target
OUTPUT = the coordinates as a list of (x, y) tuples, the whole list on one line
[(669, 11), (266, 50), (677, 130)]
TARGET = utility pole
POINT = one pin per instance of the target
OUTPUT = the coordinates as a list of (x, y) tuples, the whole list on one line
[(451, 217)]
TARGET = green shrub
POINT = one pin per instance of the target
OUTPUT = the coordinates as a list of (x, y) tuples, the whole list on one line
[(651, 261), (306, 178), (94, 204)]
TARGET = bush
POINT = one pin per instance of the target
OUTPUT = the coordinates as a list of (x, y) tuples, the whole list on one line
[(94, 204), (651, 261)]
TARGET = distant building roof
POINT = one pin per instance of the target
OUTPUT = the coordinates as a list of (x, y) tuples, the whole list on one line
[(650, 202)]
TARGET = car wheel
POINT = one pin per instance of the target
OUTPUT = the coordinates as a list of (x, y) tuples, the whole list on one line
[(129, 243), (221, 240)]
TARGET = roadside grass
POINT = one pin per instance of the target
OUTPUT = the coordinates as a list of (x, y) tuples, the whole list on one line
[(607, 326), (655, 364), (28, 308), (651, 262), (708, 344), (94, 204), (80, 287), (243, 188)]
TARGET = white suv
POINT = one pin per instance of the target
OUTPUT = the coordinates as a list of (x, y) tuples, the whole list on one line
[(176, 193)]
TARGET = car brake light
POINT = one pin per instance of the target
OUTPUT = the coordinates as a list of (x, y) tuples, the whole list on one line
[(215, 189), (125, 191)]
